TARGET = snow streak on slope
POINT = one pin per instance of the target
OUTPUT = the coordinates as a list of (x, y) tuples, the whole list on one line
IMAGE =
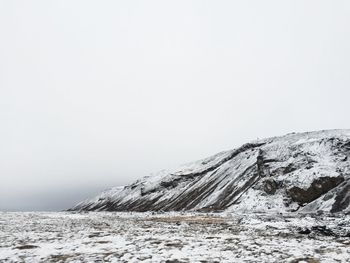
[(307, 171)]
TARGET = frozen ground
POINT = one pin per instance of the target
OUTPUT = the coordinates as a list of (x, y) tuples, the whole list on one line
[(173, 237)]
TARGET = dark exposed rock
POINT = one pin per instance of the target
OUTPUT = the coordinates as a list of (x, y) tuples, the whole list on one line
[(318, 230), (323, 230), (26, 247), (304, 231), (174, 261), (303, 260), (318, 187), (270, 186), (260, 164), (342, 199), (290, 168)]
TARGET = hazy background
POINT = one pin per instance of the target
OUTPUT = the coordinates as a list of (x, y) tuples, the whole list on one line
[(95, 94)]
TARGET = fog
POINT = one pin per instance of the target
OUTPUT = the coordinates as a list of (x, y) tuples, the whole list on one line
[(95, 94)]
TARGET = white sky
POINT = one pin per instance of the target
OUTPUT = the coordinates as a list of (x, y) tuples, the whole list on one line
[(98, 93)]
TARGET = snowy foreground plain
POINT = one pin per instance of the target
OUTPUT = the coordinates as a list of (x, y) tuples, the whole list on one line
[(173, 237)]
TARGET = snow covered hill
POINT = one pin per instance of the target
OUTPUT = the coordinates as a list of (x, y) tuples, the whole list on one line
[(307, 172)]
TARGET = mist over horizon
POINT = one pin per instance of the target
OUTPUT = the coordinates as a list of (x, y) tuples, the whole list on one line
[(95, 95)]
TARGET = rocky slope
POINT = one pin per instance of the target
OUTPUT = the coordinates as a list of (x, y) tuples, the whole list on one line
[(307, 172)]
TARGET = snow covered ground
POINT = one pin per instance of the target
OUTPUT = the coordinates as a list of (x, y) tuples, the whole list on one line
[(173, 237)]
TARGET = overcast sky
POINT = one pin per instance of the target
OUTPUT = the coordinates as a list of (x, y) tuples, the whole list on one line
[(95, 94)]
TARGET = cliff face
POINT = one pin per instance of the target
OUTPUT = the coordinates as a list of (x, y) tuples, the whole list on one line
[(306, 172)]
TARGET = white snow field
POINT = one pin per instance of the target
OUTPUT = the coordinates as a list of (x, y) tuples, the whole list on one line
[(173, 237)]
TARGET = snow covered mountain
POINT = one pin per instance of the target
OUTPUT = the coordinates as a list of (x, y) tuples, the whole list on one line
[(307, 172)]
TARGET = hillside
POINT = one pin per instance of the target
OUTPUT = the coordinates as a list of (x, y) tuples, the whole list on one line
[(307, 172)]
